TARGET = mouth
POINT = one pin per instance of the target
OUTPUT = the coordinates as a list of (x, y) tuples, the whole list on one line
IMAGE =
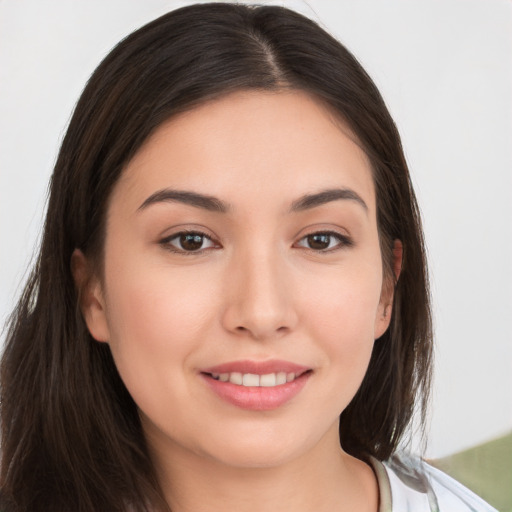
[(257, 386), (251, 380)]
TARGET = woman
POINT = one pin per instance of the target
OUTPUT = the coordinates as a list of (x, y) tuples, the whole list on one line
[(230, 308)]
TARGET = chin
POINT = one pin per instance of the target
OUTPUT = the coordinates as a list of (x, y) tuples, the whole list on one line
[(255, 455), (260, 448)]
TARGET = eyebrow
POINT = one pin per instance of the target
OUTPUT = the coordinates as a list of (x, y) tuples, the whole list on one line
[(214, 204), (205, 202), (327, 196)]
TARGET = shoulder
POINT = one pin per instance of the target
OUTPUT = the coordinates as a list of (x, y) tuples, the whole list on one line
[(409, 484)]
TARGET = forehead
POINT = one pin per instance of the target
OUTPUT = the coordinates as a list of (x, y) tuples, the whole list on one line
[(251, 146)]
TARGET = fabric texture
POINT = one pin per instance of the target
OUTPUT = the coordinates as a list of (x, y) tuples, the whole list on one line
[(408, 484)]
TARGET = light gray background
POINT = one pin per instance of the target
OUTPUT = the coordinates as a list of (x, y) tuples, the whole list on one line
[(445, 69)]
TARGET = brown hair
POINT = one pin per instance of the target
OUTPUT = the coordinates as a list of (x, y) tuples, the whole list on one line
[(71, 434)]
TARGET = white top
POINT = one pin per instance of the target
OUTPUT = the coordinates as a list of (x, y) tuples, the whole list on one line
[(408, 484)]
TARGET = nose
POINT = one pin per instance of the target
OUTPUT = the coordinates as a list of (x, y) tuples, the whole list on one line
[(259, 300)]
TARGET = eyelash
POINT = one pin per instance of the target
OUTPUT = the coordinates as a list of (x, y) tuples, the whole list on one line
[(343, 242)]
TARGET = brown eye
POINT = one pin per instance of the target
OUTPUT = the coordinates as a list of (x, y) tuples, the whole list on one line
[(188, 242), (325, 241), (191, 242), (319, 241)]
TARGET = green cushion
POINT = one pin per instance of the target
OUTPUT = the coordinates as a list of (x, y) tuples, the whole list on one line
[(486, 469)]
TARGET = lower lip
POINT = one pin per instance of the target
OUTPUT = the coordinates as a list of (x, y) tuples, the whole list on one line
[(257, 398)]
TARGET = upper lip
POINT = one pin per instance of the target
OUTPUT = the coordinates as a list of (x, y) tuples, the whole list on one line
[(257, 367)]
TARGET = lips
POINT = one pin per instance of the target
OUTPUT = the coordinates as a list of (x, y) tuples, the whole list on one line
[(257, 367), (256, 385)]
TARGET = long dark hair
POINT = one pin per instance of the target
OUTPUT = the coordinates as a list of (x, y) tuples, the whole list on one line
[(71, 434)]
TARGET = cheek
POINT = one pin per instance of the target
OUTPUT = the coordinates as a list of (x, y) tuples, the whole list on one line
[(157, 319), (346, 306), (341, 317), (155, 306)]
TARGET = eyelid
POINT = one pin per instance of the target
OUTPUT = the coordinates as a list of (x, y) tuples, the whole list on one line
[(344, 240), (165, 242)]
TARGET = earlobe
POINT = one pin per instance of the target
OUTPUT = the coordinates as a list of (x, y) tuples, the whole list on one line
[(90, 296), (383, 318)]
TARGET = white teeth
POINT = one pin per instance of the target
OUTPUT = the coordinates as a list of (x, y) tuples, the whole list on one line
[(281, 378), (268, 380), (252, 380), (236, 378)]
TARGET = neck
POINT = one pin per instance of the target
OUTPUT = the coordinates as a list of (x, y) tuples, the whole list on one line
[(323, 479)]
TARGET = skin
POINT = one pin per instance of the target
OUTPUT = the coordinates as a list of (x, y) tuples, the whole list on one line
[(256, 291)]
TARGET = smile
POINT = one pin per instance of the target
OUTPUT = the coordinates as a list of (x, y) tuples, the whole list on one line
[(257, 386), (268, 380)]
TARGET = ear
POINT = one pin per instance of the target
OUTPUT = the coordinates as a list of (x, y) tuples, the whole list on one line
[(385, 308), (90, 296)]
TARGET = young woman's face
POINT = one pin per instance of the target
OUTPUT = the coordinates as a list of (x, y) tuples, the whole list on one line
[(242, 279)]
